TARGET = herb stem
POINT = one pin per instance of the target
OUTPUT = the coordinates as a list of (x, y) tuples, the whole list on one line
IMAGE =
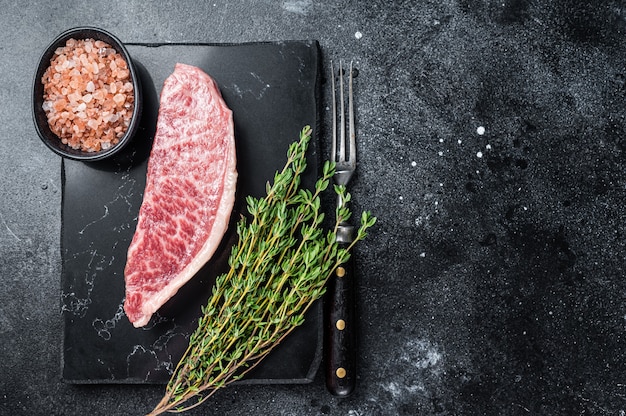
[(278, 270)]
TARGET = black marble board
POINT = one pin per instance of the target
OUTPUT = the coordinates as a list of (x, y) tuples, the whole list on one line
[(273, 90)]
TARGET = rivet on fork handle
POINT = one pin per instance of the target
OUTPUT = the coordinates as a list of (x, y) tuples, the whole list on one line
[(340, 331)]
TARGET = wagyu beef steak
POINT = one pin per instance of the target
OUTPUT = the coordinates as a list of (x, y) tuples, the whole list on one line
[(189, 194)]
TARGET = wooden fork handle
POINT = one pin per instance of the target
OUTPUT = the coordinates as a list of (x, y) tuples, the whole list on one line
[(340, 347)]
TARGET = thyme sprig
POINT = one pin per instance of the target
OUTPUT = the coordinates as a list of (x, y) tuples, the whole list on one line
[(278, 269)]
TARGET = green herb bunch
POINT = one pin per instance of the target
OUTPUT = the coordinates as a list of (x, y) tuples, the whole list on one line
[(278, 269)]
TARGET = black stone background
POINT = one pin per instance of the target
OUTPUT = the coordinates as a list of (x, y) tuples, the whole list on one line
[(491, 285)]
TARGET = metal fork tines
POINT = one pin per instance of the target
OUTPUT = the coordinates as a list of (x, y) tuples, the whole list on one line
[(340, 326), (345, 164)]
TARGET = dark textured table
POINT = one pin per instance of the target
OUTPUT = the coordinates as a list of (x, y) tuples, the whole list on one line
[(491, 139)]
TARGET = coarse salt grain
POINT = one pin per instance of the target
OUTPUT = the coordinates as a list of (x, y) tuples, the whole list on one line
[(79, 87)]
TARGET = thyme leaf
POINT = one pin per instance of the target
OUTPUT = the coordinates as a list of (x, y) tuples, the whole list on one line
[(278, 269)]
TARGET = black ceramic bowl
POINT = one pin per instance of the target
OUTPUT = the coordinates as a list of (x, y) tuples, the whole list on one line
[(41, 121)]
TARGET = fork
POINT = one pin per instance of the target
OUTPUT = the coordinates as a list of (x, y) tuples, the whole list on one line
[(340, 323)]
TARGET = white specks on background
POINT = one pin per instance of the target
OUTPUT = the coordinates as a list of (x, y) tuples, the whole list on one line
[(423, 254), (441, 152), (413, 163), (419, 221), (480, 130), (358, 35), (480, 154)]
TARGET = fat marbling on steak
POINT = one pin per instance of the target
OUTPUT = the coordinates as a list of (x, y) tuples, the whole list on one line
[(189, 194)]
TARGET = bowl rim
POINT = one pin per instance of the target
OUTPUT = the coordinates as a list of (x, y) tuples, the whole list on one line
[(50, 139)]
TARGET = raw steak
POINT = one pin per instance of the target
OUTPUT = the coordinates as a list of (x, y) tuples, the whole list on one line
[(189, 194)]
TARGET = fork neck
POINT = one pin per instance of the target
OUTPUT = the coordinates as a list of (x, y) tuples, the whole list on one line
[(342, 176)]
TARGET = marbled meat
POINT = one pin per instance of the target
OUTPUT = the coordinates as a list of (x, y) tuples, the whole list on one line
[(189, 194)]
